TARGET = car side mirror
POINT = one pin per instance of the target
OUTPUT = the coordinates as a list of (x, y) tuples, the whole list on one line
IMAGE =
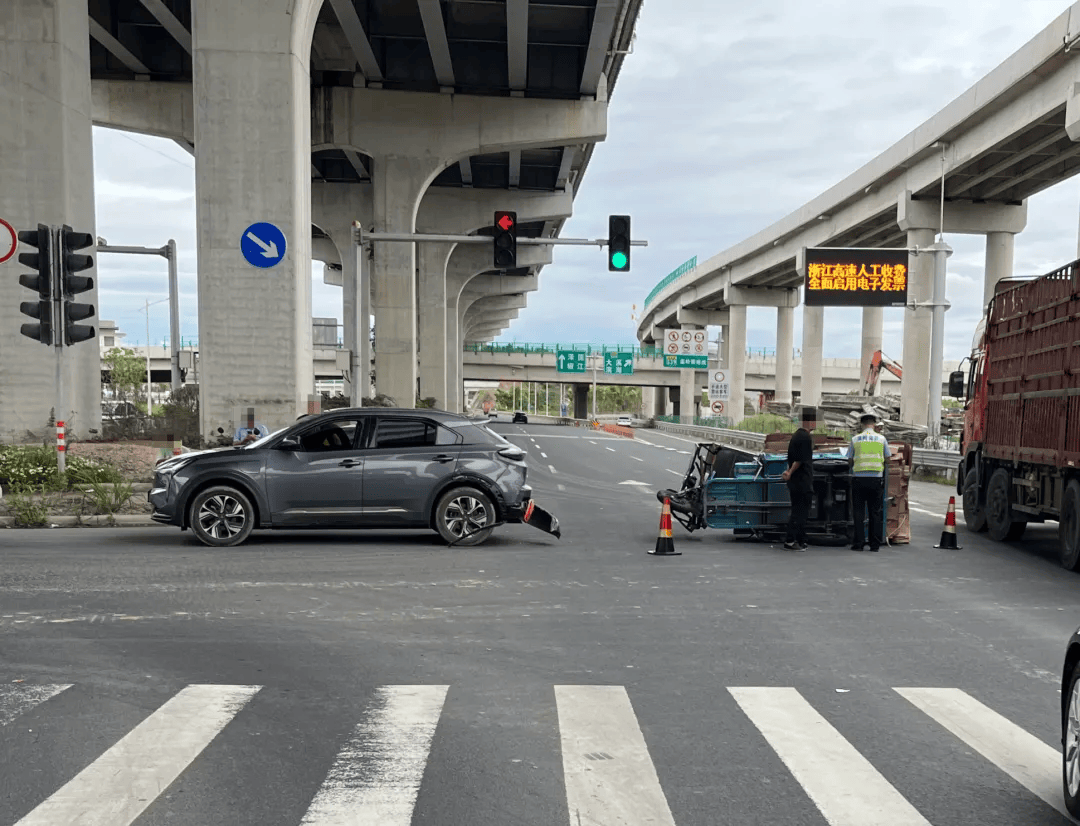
[(956, 384), (289, 443)]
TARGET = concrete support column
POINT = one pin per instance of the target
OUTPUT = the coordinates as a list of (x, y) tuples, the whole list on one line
[(455, 344), (785, 344), (737, 371), (581, 401), (918, 327), (252, 127), (671, 399), (648, 401), (1000, 251), (812, 339), (47, 175), (724, 353), (873, 322), (432, 315)]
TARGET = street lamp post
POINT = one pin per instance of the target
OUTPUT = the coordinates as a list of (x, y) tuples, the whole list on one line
[(146, 309)]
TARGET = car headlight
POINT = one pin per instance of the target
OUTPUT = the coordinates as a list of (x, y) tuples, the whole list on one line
[(170, 466)]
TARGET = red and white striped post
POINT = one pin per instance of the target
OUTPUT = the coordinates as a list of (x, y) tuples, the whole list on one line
[(60, 447)]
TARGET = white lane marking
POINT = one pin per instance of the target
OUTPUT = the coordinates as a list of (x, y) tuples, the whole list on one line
[(923, 511), (376, 776), (121, 784), (591, 442), (637, 458), (684, 452), (643, 442), (632, 482), (847, 790), (608, 773), (1025, 758), (669, 470), (561, 487), (543, 454), (609, 448), (15, 699), (552, 468)]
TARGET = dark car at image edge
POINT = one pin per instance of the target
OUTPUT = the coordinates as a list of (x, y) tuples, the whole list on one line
[(350, 468)]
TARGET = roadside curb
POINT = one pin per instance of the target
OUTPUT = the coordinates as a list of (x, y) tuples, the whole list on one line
[(97, 521)]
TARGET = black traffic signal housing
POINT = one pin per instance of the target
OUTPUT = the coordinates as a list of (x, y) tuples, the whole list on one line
[(71, 284), (40, 281), (505, 240), (618, 259)]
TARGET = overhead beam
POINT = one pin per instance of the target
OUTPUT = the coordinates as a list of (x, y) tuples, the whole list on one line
[(515, 168), (116, 48), (465, 164), (517, 44), (358, 40), (353, 157), (438, 45), (562, 180), (1010, 160), (168, 20), (1028, 174), (599, 45)]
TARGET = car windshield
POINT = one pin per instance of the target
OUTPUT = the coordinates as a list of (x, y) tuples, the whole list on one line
[(264, 439)]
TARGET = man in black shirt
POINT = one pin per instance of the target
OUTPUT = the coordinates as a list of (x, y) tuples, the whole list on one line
[(800, 480)]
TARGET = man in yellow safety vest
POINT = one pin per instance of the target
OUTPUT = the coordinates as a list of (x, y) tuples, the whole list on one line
[(869, 455)]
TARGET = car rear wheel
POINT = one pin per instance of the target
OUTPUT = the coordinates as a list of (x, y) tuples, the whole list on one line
[(1070, 738), (221, 516), (464, 516)]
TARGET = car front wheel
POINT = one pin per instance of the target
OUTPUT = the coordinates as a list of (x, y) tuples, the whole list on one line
[(221, 516), (464, 516), (1070, 757)]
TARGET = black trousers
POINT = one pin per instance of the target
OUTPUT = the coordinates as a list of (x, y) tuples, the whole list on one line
[(867, 495), (801, 499)]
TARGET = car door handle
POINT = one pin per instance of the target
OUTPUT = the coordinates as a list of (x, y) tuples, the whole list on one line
[(349, 463), (443, 458)]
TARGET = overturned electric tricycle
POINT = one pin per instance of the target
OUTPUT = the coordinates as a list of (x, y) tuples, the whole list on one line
[(732, 489)]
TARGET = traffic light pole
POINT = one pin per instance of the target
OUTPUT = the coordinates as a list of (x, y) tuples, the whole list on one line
[(169, 253), (418, 237), (58, 346)]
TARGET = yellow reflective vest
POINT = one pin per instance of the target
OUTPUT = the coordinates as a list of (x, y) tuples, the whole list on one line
[(868, 450)]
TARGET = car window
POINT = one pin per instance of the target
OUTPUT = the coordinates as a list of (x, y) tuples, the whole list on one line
[(336, 434), (400, 432)]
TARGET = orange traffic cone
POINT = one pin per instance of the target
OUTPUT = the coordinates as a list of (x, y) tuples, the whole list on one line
[(948, 534), (665, 545)]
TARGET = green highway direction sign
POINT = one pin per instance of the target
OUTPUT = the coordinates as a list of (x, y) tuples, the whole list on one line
[(619, 364), (570, 361), (687, 362)]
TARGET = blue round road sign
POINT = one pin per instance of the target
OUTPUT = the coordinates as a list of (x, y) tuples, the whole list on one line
[(263, 245)]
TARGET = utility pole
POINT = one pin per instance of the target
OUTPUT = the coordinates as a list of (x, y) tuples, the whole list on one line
[(941, 252)]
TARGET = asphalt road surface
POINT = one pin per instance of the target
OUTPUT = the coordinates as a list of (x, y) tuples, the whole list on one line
[(381, 679)]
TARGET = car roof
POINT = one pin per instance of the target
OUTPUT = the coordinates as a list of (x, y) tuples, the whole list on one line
[(391, 411)]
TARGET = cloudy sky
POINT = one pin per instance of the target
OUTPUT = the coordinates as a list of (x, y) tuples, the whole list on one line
[(727, 117)]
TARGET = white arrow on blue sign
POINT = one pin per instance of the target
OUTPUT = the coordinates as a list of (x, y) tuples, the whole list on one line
[(263, 245)]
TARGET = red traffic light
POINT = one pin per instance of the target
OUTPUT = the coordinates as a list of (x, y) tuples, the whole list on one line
[(505, 222)]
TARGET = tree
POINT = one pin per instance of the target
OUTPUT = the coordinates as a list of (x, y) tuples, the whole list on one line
[(127, 374)]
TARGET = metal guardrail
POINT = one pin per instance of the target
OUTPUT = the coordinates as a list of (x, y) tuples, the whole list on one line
[(507, 348), (945, 461)]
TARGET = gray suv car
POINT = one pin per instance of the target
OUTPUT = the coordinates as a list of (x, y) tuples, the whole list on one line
[(354, 468)]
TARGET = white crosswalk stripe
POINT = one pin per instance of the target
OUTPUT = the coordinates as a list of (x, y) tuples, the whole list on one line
[(19, 697), (117, 787), (610, 778), (376, 777), (607, 771), (1025, 758), (847, 790)]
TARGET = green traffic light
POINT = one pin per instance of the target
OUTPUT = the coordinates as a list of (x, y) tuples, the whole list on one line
[(618, 260)]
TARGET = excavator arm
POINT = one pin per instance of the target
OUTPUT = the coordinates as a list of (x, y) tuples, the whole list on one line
[(878, 361)]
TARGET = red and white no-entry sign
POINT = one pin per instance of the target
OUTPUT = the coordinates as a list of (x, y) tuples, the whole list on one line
[(717, 407), (9, 241)]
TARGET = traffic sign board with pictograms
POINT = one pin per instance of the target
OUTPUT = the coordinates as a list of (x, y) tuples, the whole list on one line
[(717, 407), (619, 364), (719, 386), (570, 361)]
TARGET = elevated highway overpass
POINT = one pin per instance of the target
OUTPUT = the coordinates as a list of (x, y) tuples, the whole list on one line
[(1010, 136), (403, 115)]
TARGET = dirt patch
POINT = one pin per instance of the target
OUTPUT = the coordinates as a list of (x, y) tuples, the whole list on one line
[(135, 461)]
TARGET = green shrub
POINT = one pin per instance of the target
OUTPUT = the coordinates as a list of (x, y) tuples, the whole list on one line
[(109, 498), (28, 512), (24, 467)]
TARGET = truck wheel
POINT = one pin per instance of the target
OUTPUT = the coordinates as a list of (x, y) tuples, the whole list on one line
[(1069, 527), (999, 519), (974, 512)]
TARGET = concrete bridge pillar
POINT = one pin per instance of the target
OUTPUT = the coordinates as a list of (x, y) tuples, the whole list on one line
[(737, 369), (689, 392), (47, 174), (918, 328), (431, 321), (785, 337), (581, 401), (253, 164), (648, 402), (812, 341), (1000, 251)]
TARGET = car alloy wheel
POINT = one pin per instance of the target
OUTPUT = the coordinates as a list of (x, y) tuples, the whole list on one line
[(464, 516), (1070, 758), (221, 516)]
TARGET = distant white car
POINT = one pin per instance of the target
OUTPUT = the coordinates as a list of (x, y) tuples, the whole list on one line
[(624, 421)]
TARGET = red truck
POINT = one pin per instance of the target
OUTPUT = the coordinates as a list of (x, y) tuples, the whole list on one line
[(1021, 442)]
